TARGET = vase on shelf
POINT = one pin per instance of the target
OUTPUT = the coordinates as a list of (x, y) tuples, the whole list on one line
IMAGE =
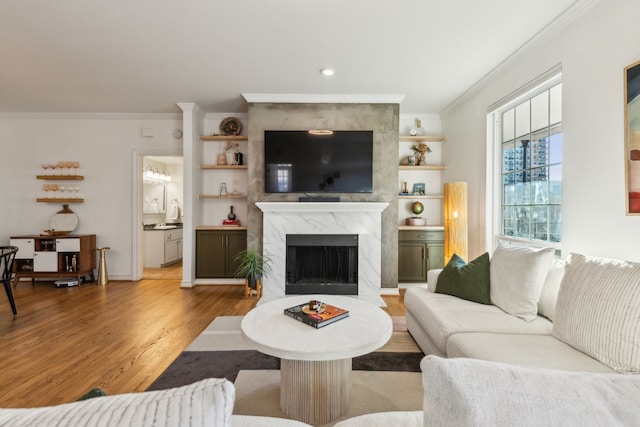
[(222, 158), (231, 215)]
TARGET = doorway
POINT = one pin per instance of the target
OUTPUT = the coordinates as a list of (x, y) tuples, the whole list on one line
[(162, 216)]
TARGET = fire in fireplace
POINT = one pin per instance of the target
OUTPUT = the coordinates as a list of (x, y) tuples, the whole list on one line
[(322, 264)]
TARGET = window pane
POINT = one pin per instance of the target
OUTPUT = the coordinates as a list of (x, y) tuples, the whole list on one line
[(539, 149), (555, 223), (555, 184), (509, 193), (555, 145), (555, 104), (508, 157), (507, 125), (509, 222), (539, 222), (522, 188), (540, 111), (539, 186), (523, 119), (522, 222)]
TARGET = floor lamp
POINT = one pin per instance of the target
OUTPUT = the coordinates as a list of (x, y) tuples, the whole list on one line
[(455, 221)]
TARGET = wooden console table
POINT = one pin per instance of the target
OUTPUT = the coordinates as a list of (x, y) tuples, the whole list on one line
[(59, 257)]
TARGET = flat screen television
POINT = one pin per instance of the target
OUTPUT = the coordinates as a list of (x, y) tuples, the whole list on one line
[(300, 161)]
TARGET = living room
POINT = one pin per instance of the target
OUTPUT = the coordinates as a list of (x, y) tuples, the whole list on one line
[(591, 47)]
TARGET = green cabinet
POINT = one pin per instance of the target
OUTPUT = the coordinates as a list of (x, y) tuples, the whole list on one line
[(216, 251), (418, 252)]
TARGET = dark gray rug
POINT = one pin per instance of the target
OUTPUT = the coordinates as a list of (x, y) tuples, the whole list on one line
[(193, 366)]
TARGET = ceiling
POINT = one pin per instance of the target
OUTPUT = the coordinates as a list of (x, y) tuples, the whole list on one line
[(143, 56)]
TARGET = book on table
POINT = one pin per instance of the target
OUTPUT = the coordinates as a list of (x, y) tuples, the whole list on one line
[(316, 315)]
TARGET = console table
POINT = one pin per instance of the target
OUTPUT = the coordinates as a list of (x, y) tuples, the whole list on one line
[(315, 368), (70, 256)]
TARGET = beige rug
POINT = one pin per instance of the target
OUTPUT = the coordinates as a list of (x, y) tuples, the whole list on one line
[(223, 334), (258, 393)]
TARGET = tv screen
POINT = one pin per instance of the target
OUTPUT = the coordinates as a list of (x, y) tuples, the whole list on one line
[(300, 161)]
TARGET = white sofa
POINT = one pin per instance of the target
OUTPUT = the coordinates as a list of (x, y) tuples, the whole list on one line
[(595, 303)]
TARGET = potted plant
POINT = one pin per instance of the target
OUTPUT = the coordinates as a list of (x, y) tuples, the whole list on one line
[(253, 267), (421, 151)]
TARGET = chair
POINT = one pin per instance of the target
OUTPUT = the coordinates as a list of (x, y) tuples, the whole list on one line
[(7, 255)]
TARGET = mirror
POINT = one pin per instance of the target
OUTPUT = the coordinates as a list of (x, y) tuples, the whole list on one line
[(154, 198)]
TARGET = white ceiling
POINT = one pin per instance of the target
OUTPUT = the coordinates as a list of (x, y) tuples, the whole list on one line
[(143, 56)]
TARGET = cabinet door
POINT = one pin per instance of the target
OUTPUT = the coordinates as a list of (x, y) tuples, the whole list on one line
[(210, 254), (170, 251), (412, 261), (236, 242), (25, 248), (68, 245), (435, 258), (45, 261)]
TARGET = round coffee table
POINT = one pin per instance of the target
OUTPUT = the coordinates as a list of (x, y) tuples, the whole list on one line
[(315, 367)]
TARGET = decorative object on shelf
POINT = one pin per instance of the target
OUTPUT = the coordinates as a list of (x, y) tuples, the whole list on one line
[(237, 158), (455, 220), (223, 189), (63, 222), (421, 151), (412, 160), (61, 165), (419, 189), (222, 158), (417, 208), (231, 215), (405, 188), (230, 126), (413, 132), (416, 221)]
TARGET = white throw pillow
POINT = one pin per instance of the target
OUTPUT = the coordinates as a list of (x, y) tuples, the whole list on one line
[(517, 276), (598, 310), (206, 403), (469, 392), (549, 294)]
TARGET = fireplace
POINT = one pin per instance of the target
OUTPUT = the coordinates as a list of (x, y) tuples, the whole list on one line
[(322, 264), (362, 219)]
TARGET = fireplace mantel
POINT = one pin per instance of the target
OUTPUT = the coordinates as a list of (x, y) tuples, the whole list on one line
[(322, 206), (361, 218)]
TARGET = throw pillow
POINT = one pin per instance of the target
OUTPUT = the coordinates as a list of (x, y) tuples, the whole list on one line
[(206, 403), (598, 310), (473, 392), (517, 276), (466, 281), (549, 294), (94, 392)]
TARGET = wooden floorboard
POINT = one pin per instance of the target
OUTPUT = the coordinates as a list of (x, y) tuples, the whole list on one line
[(119, 337)]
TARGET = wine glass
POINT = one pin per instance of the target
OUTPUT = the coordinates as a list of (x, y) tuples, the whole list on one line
[(75, 165), (61, 165), (68, 164), (46, 188), (61, 188), (55, 188), (45, 166), (77, 191)]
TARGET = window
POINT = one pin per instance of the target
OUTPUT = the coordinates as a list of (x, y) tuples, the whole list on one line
[(527, 146)]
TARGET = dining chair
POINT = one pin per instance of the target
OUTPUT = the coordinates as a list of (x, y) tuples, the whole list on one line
[(7, 255)]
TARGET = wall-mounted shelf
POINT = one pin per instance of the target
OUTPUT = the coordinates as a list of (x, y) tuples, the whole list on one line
[(222, 166), (423, 138), (61, 177), (224, 138), (230, 196), (428, 196), (59, 200), (422, 168)]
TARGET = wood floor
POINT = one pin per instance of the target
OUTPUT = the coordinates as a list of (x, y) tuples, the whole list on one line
[(119, 337)]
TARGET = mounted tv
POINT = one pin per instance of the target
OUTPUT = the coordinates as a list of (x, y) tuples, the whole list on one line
[(300, 161)]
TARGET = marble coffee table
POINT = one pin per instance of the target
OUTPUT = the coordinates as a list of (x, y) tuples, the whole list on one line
[(315, 368)]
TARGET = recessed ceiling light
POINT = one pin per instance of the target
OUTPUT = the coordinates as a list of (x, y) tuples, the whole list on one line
[(327, 72)]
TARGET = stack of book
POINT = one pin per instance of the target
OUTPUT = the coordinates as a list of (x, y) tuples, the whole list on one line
[(322, 315), (230, 222)]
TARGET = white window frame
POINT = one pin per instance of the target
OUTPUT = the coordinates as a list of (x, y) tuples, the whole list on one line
[(494, 161)]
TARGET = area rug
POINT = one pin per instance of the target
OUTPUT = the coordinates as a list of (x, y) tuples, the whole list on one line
[(387, 379)]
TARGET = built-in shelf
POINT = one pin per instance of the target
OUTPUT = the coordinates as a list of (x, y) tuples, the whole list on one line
[(224, 138), (427, 196), (422, 168), (222, 166), (59, 200), (423, 138), (230, 196), (421, 227), (61, 177)]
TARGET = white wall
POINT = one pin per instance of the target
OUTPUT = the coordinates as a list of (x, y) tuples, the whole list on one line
[(105, 145), (593, 51)]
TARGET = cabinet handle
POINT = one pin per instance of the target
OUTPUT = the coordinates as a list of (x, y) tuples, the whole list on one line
[(422, 236), (422, 253)]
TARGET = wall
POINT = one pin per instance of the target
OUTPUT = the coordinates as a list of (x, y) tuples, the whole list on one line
[(105, 145), (381, 118), (593, 51)]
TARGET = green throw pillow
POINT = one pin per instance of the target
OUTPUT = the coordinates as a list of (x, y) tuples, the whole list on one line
[(466, 281), (94, 392)]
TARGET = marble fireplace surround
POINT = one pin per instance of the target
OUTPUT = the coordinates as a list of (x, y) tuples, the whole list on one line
[(361, 218)]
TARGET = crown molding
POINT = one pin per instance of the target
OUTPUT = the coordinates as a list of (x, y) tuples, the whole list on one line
[(299, 98), (90, 116)]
